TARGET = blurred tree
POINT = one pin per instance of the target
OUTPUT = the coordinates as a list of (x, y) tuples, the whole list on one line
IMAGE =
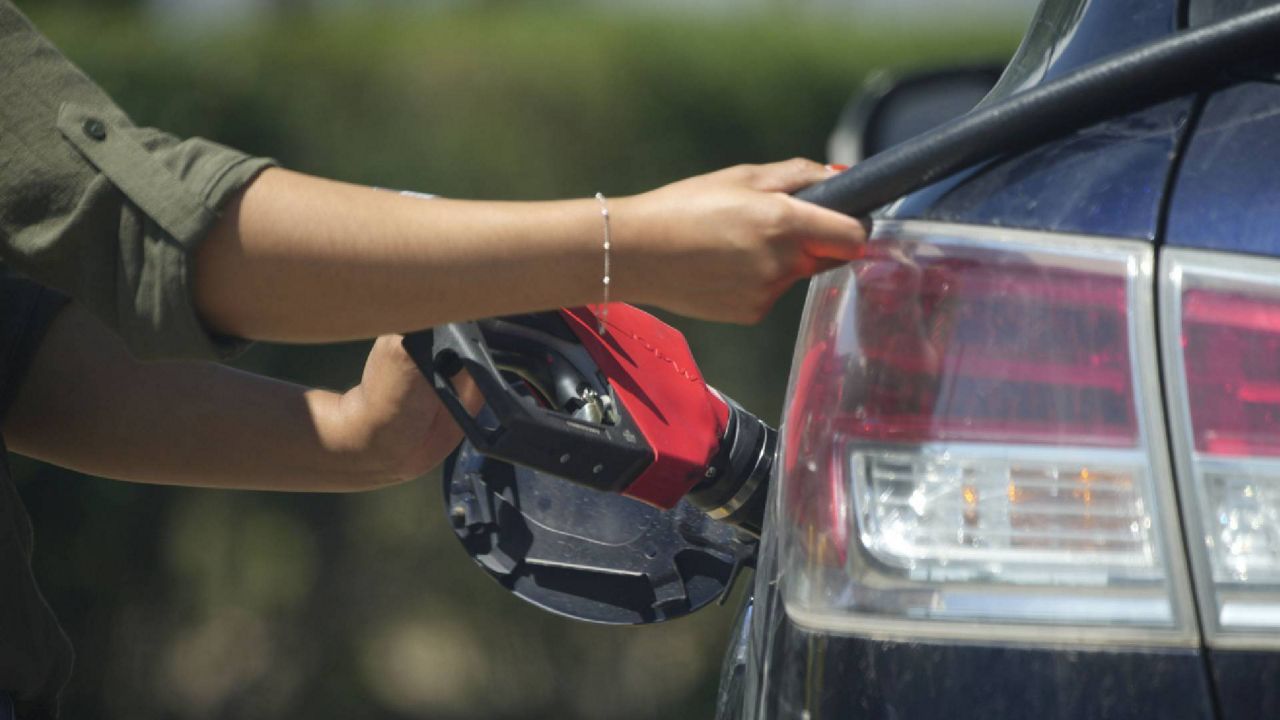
[(34, 6), (291, 7)]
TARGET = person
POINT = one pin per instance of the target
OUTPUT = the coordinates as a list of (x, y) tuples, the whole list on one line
[(144, 259)]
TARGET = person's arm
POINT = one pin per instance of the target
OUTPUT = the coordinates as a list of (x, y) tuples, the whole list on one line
[(87, 404), (183, 246), (298, 258)]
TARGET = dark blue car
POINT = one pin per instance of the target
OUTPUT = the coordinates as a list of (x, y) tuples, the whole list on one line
[(1030, 463)]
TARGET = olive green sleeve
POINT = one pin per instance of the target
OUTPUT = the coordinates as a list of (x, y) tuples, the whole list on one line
[(107, 212)]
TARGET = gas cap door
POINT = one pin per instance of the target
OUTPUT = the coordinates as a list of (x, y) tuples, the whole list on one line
[(586, 554)]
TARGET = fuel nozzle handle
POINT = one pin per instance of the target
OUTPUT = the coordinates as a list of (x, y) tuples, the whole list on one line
[(624, 410)]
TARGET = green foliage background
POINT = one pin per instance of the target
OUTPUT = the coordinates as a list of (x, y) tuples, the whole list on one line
[(204, 604)]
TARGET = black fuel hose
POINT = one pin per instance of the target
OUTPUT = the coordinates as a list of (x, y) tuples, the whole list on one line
[(1183, 63)]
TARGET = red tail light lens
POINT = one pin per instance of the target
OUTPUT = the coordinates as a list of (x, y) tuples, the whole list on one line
[(1231, 345), (1222, 350), (957, 347)]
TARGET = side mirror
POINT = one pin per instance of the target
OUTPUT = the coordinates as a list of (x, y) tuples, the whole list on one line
[(890, 109)]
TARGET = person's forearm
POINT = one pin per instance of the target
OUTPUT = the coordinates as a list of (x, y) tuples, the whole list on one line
[(303, 259), (297, 258), (88, 405)]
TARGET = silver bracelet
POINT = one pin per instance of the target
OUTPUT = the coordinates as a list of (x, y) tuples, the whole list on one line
[(603, 315)]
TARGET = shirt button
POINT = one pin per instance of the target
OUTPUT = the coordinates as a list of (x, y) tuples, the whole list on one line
[(95, 129)]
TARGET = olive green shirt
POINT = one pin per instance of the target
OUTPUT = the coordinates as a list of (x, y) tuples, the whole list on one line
[(109, 214), (100, 209)]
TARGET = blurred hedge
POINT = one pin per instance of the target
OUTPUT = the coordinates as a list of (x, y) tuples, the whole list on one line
[(200, 604)]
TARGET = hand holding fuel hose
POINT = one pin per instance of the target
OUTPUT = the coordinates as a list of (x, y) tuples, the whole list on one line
[(284, 264), (724, 246), (301, 259)]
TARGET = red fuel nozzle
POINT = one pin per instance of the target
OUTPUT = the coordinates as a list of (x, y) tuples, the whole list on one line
[(652, 372), (626, 410)]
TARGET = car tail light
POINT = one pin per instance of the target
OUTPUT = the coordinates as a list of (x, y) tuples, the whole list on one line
[(1222, 354), (973, 444)]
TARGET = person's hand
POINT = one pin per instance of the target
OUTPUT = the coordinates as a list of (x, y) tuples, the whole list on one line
[(724, 246), (395, 418)]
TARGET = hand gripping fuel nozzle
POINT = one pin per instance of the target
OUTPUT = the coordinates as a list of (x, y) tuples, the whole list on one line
[(624, 411)]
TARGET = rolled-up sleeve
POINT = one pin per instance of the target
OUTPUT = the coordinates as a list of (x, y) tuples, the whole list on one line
[(105, 211)]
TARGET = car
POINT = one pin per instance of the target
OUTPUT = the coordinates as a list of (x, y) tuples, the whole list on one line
[(1030, 458)]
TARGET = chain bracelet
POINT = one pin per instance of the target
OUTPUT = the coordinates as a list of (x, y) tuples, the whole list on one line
[(603, 315)]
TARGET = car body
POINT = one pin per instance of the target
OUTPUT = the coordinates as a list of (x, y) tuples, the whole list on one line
[(1028, 457)]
